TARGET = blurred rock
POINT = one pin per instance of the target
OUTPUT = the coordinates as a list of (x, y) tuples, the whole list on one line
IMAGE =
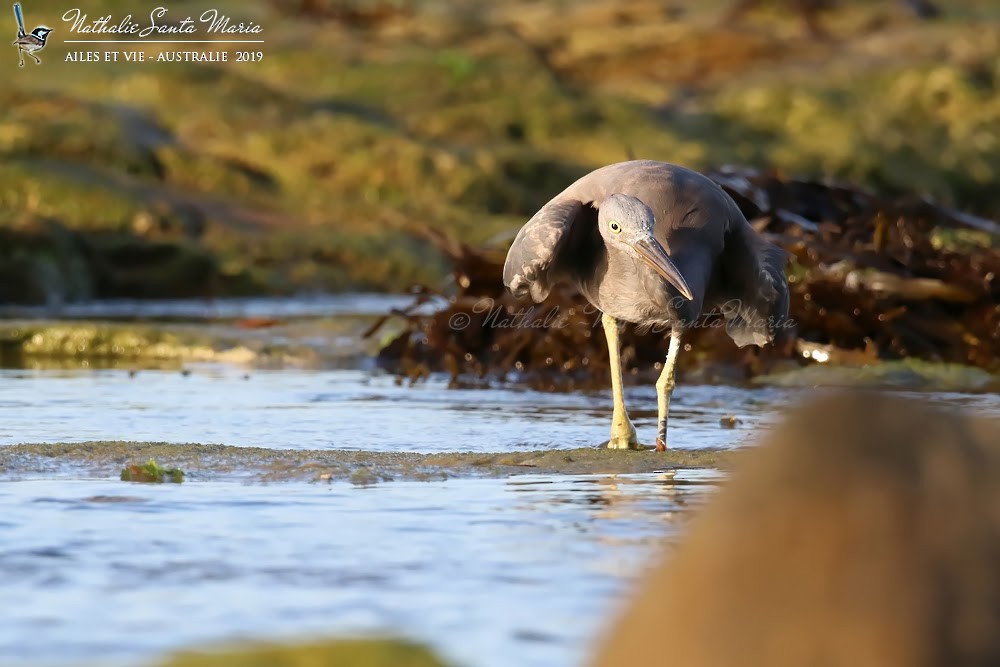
[(865, 532)]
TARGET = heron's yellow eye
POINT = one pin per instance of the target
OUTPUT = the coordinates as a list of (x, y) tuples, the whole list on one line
[(615, 227)]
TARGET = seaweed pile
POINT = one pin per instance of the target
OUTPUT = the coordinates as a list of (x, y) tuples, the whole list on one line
[(872, 278)]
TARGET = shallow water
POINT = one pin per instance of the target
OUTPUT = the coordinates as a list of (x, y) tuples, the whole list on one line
[(350, 409), (518, 571), (490, 572)]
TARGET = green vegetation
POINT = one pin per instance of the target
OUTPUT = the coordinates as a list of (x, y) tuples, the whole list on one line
[(151, 473), (347, 652), (305, 170)]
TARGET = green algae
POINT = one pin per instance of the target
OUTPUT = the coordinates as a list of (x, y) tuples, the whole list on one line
[(72, 343), (74, 339), (221, 462), (151, 473), (42, 343), (353, 652)]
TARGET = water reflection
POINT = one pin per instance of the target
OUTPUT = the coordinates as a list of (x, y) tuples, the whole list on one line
[(490, 572)]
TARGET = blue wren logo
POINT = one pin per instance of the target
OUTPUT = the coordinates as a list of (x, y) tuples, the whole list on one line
[(28, 42)]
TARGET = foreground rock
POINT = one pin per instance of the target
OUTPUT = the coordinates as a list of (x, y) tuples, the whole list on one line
[(864, 533)]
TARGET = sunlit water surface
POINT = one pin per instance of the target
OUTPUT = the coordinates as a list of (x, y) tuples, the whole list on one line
[(349, 409)]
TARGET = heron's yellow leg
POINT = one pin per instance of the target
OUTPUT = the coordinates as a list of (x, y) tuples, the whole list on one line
[(664, 389), (622, 431)]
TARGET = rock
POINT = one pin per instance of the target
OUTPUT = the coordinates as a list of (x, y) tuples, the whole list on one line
[(865, 532)]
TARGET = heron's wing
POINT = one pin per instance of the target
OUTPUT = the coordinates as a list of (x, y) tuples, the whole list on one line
[(536, 247)]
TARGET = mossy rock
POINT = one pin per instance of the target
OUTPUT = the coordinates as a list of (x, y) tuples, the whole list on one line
[(345, 653)]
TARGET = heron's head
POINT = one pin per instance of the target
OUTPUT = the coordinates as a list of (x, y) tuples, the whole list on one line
[(626, 223)]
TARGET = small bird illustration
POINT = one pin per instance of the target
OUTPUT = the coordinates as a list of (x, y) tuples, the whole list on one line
[(28, 42)]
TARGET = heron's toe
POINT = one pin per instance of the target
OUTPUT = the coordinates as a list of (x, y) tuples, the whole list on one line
[(623, 435), (624, 441), (619, 443), (661, 445)]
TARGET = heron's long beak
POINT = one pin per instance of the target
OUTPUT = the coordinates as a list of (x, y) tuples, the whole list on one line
[(654, 254)]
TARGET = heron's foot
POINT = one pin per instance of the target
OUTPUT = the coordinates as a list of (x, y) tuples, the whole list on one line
[(623, 443), (661, 445), (623, 436)]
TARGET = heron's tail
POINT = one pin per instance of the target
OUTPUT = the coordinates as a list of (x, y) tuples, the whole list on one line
[(761, 309), (20, 20)]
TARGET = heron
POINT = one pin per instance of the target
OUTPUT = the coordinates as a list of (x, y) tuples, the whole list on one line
[(657, 245)]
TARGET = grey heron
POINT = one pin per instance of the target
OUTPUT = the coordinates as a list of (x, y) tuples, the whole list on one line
[(654, 244)]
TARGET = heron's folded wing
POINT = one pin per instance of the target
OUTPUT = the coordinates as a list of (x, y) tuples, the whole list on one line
[(760, 310), (536, 246)]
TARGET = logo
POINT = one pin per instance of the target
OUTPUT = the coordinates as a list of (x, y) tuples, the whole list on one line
[(28, 42)]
